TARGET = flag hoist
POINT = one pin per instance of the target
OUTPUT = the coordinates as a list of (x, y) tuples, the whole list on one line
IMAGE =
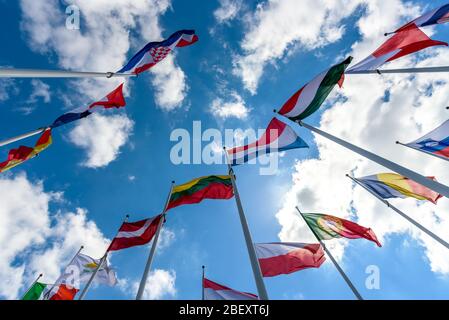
[(262, 291)]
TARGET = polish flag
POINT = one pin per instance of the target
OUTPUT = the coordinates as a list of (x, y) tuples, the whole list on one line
[(133, 234), (284, 258), (215, 291)]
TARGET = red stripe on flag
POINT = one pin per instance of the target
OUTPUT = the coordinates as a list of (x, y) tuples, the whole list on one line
[(291, 103)]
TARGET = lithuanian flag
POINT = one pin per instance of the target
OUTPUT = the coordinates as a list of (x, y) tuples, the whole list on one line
[(195, 191)]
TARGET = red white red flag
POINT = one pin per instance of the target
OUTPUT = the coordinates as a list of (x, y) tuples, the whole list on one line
[(215, 291)]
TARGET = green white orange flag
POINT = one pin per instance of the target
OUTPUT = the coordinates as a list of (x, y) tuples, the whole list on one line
[(310, 97), (328, 227), (35, 292)]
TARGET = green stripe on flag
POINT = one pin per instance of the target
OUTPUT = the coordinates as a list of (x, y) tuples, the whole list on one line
[(35, 292)]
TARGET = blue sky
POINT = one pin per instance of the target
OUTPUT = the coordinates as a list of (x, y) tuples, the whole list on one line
[(137, 179)]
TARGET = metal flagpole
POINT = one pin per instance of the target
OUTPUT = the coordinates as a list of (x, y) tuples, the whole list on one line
[(402, 214), (26, 292), (202, 285), (92, 277), (262, 291), (143, 282), (434, 185), (35, 73), (340, 270), (423, 151), (396, 71), (22, 136)]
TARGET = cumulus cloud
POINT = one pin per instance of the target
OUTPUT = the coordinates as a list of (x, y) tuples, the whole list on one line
[(161, 284), (41, 90), (233, 108), (227, 10)]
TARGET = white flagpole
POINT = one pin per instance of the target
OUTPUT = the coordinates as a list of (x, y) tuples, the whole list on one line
[(146, 272), (202, 285), (423, 151), (402, 214), (262, 291), (35, 73), (34, 282), (434, 185), (397, 71), (22, 136), (340, 270)]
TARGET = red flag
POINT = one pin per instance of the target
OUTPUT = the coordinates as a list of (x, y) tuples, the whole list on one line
[(114, 99), (64, 293)]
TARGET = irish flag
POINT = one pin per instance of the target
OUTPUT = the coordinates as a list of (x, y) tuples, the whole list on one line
[(41, 291), (195, 191), (284, 258), (310, 97), (215, 291)]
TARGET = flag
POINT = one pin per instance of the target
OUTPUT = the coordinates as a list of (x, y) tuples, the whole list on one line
[(215, 291), (23, 153), (195, 191), (327, 227), (436, 16), (61, 292), (392, 185), (133, 234), (436, 142), (35, 292), (285, 258), (87, 265), (278, 137), (155, 52), (401, 44), (114, 99), (310, 97)]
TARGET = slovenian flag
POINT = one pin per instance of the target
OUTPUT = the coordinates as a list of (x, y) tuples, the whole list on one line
[(215, 291), (436, 16), (155, 52), (401, 44), (435, 142), (285, 258), (392, 185), (278, 137)]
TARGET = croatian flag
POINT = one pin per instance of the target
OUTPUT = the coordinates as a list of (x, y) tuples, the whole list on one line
[(284, 258), (278, 137), (215, 291), (155, 52), (133, 234), (436, 16), (401, 44), (114, 99), (435, 142)]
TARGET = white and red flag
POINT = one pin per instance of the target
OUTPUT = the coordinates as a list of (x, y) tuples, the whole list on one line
[(215, 291), (439, 15), (133, 234), (284, 258)]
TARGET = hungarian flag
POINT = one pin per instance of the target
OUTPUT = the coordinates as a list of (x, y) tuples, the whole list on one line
[(401, 44), (215, 291), (133, 234), (435, 142), (23, 153), (155, 52), (278, 137), (115, 99), (393, 185), (36, 292), (310, 97), (436, 16), (195, 191), (328, 227), (285, 258)]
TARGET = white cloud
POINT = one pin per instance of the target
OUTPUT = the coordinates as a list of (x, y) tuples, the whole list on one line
[(234, 108), (366, 118), (166, 238), (227, 10), (101, 137), (161, 284), (40, 90), (7, 87)]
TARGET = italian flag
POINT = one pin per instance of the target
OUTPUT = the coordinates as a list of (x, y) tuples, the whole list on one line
[(310, 97), (35, 292)]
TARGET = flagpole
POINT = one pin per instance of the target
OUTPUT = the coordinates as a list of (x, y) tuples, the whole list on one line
[(340, 270), (92, 277), (402, 214), (262, 291), (202, 285), (400, 71), (26, 292), (146, 272), (22, 136), (434, 185), (423, 151), (35, 73)]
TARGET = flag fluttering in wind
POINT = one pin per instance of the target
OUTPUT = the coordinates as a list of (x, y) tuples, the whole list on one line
[(401, 44), (278, 137), (36, 292), (215, 291), (60, 292), (328, 227), (87, 265), (195, 191), (285, 258), (133, 234), (436, 16), (115, 99), (155, 52), (392, 185), (435, 142), (310, 97), (23, 153)]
